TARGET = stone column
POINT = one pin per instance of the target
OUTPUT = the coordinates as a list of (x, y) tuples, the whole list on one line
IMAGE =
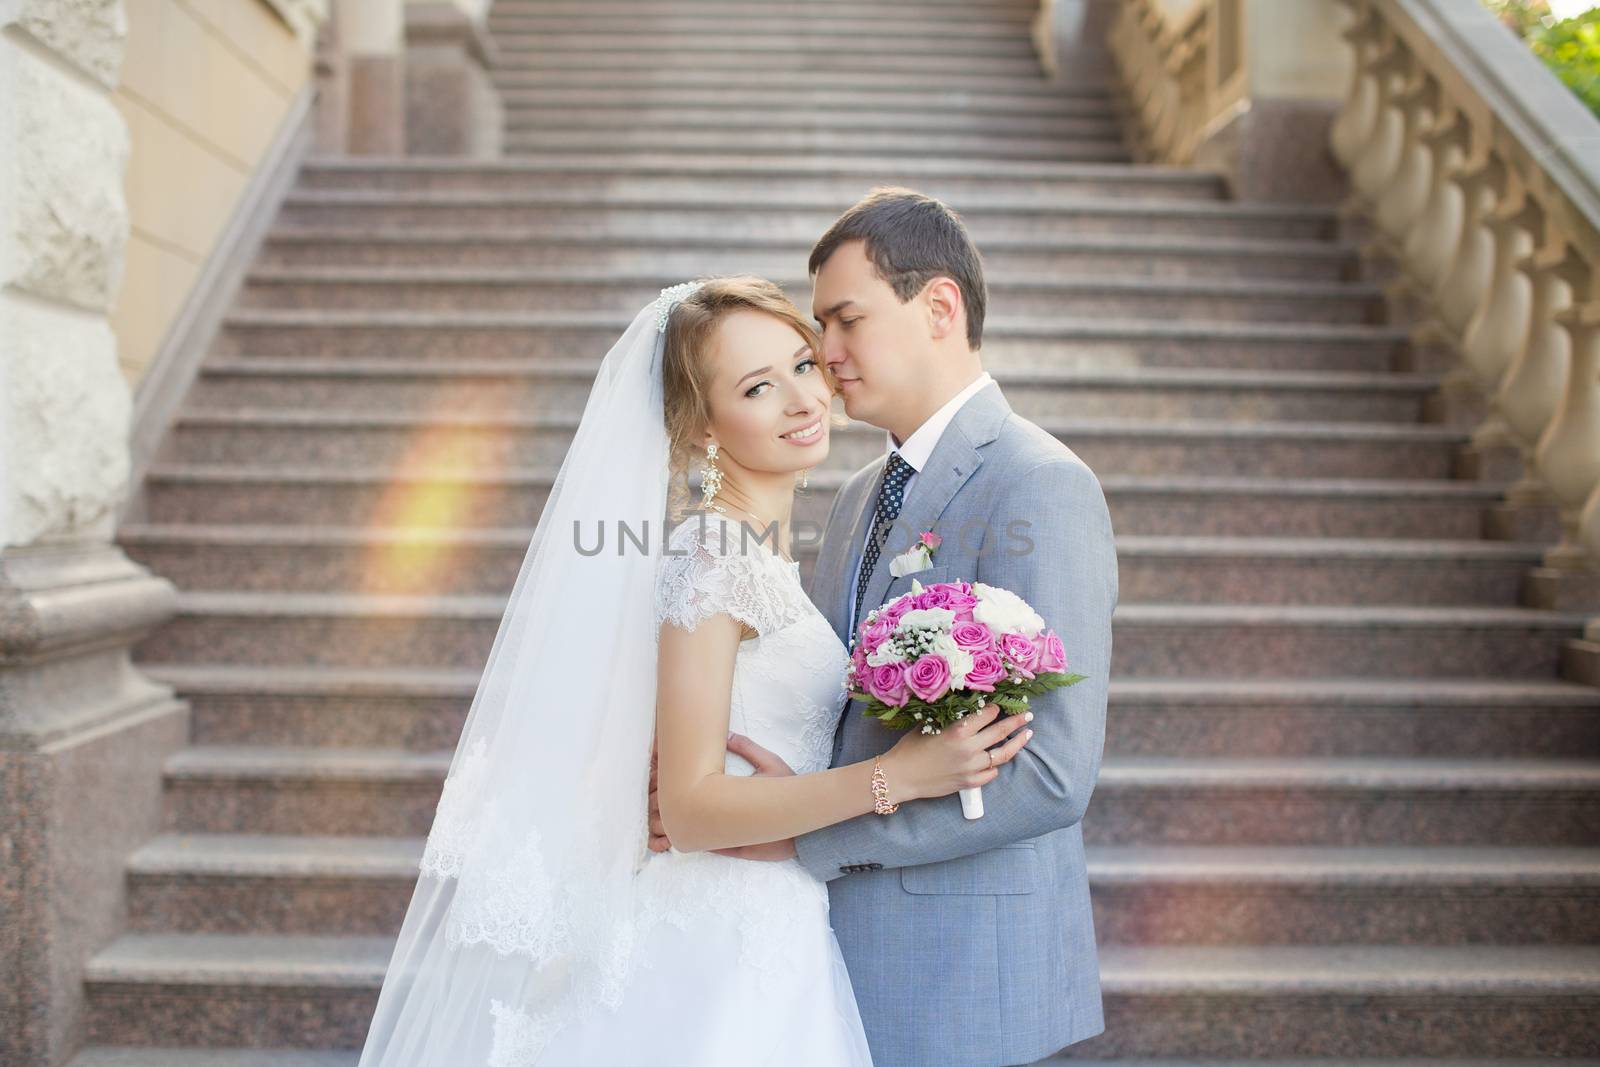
[(370, 38), (452, 105), (82, 734), (1070, 39), (1297, 72)]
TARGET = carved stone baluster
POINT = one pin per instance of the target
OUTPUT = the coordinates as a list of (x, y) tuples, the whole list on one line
[(1379, 157), (1352, 126), (1568, 456), (1399, 204), (1430, 244), (1498, 331), (1461, 289), (1532, 388)]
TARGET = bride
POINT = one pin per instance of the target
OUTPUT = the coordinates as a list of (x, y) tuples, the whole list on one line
[(542, 930)]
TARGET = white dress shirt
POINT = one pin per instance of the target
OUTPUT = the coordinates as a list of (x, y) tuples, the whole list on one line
[(916, 451)]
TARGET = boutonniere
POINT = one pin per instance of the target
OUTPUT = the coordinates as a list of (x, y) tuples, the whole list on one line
[(919, 557)]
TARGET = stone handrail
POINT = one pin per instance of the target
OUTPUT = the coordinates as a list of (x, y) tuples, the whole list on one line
[(1481, 174), (1184, 75)]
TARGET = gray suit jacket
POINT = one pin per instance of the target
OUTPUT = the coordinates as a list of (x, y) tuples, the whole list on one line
[(971, 943)]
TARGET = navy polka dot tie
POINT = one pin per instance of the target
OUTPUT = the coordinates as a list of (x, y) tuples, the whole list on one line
[(890, 496)]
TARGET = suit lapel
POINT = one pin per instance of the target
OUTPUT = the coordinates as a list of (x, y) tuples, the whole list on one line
[(954, 460), (842, 548)]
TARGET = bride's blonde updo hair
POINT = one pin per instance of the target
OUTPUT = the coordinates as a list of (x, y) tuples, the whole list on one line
[(685, 377)]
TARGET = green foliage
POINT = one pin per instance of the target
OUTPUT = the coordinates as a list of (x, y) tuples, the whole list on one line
[(952, 707), (1521, 17), (1569, 47)]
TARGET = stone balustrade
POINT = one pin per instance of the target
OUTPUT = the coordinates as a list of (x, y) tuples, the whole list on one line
[(1182, 71), (1479, 173)]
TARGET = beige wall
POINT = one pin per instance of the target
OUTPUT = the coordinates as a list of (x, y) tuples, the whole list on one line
[(1295, 49), (205, 86)]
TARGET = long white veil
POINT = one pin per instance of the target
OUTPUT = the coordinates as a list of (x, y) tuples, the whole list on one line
[(522, 917)]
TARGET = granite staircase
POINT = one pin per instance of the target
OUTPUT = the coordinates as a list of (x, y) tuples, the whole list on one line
[(1348, 809)]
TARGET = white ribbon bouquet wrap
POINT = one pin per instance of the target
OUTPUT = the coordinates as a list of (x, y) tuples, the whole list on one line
[(936, 654)]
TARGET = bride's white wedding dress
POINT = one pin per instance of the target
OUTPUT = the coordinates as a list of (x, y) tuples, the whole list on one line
[(738, 964)]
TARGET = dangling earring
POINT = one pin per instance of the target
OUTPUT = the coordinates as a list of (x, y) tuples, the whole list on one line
[(711, 480)]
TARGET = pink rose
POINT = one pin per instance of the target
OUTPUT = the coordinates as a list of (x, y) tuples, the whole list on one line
[(896, 611), (1019, 650), (888, 684), (956, 597), (987, 669), (929, 677), (972, 636), (874, 634), (1052, 654), (943, 595), (930, 539)]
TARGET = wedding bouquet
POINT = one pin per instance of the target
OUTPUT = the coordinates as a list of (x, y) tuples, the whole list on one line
[(936, 654)]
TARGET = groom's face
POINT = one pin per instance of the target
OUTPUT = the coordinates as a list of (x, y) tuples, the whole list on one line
[(870, 340)]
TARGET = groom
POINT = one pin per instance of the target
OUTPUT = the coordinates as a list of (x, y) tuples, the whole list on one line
[(969, 943)]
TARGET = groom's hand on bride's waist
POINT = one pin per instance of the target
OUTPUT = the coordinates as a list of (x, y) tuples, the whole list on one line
[(767, 764)]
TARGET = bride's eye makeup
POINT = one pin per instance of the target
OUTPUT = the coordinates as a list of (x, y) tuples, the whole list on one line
[(751, 392)]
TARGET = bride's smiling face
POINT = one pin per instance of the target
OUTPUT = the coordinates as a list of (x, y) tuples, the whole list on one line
[(768, 395)]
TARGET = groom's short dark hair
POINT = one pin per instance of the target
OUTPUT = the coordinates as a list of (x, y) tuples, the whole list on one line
[(910, 239)]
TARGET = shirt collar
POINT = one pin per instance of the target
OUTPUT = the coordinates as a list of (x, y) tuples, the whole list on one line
[(919, 446)]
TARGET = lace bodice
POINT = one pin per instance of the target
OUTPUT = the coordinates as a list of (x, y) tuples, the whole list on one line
[(787, 696), (788, 680)]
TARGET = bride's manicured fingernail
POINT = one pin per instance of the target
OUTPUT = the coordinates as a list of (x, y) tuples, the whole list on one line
[(1028, 717), (1027, 735)]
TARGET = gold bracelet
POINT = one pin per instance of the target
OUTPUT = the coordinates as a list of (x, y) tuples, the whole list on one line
[(880, 789)]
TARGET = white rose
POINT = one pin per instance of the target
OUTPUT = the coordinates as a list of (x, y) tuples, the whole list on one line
[(960, 659), (1002, 610), (930, 619), (884, 653)]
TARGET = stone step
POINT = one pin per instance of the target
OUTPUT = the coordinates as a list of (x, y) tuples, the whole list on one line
[(990, 11), (166, 1056), (865, 44), (686, 25), (546, 387), (924, 58), (1241, 895), (800, 103), (1349, 1002), (823, 182), (1098, 145), (235, 990), (1111, 255), (1345, 717), (860, 118), (534, 217), (367, 438), (1220, 507), (134, 1056), (1254, 300), (1152, 569), (1216, 895), (1144, 800), (854, 76), (1009, 342), (1161, 640), (1162, 569), (319, 992), (425, 710)]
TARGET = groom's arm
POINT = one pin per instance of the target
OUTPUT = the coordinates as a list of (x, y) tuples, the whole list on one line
[(1070, 578)]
